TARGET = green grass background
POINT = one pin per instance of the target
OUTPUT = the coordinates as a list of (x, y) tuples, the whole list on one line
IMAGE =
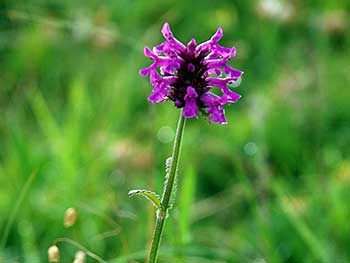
[(77, 131)]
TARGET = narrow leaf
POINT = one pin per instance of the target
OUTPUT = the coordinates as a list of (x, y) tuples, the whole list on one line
[(151, 196)]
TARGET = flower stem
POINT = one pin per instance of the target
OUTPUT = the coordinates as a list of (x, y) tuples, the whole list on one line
[(168, 187)]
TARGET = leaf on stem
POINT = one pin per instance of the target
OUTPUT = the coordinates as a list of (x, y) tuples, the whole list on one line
[(149, 195)]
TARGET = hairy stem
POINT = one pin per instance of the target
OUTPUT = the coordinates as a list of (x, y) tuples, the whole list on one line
[(168, 187)]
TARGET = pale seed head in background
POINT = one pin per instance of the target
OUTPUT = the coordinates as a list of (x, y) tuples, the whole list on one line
[(80, 257), (53, 254), (70, 217)]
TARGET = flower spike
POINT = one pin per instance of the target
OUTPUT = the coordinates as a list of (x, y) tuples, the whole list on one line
[(185, 74)]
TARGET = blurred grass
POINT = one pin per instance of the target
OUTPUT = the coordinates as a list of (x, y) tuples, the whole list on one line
[(271, 186)]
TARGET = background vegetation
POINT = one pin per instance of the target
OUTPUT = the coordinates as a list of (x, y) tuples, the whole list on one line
[(76, 131)]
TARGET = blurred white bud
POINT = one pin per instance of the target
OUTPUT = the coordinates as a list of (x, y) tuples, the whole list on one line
[(53, 254), (277, 10), (80, 257), (70, 217)]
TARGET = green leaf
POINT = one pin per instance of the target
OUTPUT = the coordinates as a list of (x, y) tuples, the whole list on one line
[(151, 196)]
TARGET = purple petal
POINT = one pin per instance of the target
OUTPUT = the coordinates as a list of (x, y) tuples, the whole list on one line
[(190, 67), (167, 64), (191, 46), (216, 110), (215, 71), (217, 114), (229, 97), (234, 73), (173, 42), (167, 32), (166, 49), (191, 108), (149, 53), (206, 46), (145, 71), (217, 63), (161, 86), (178, 103), (218, 35), (191, 93), (208, 98), (219, 51), (159, 49), (158, 93), (220, 82), (155, 79)]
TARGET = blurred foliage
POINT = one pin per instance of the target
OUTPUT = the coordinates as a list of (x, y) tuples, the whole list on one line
[(76, 131)]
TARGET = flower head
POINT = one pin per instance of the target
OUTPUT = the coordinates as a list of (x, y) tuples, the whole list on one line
[(186, 74)]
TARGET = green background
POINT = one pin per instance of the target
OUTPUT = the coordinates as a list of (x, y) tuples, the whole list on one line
[(77, 131)]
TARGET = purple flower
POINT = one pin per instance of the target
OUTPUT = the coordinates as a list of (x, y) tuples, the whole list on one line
[(186, 74)]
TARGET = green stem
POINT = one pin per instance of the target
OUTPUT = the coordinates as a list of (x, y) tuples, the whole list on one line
[(76, 244), (168, 187)]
